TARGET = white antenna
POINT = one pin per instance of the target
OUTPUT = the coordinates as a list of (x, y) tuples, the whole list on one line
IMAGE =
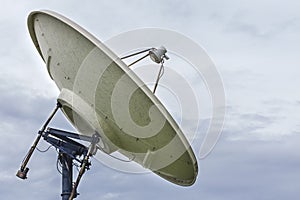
[(85, 70)]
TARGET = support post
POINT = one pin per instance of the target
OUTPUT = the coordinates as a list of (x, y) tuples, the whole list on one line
[(67, 175)]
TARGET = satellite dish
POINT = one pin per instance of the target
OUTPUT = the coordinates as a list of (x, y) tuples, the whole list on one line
[(100, 94)]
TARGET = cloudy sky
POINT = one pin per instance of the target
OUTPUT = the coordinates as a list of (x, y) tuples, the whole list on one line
[(255, 46)]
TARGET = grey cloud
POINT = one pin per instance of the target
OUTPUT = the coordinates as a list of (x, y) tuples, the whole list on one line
[(236, 169), (252, 30), (256, 117), (263, 170)]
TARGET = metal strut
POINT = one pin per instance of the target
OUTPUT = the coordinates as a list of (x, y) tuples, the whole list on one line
[(22, 172), (138, 60), (137, 53), (160, 74), (85, 164), (69, 150)]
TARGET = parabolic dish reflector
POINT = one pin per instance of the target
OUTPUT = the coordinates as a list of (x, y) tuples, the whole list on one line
[(99, 93)]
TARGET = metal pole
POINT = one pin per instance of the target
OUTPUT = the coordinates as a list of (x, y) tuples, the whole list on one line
[(22, 173), (138, 60), (134, 54), (67, 175), (85, 164), (158, 77)]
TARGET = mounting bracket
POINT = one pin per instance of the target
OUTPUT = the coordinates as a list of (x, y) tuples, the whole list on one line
[(69, 152)]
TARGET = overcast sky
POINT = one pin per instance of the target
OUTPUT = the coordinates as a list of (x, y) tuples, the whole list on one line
[(255, 46)]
